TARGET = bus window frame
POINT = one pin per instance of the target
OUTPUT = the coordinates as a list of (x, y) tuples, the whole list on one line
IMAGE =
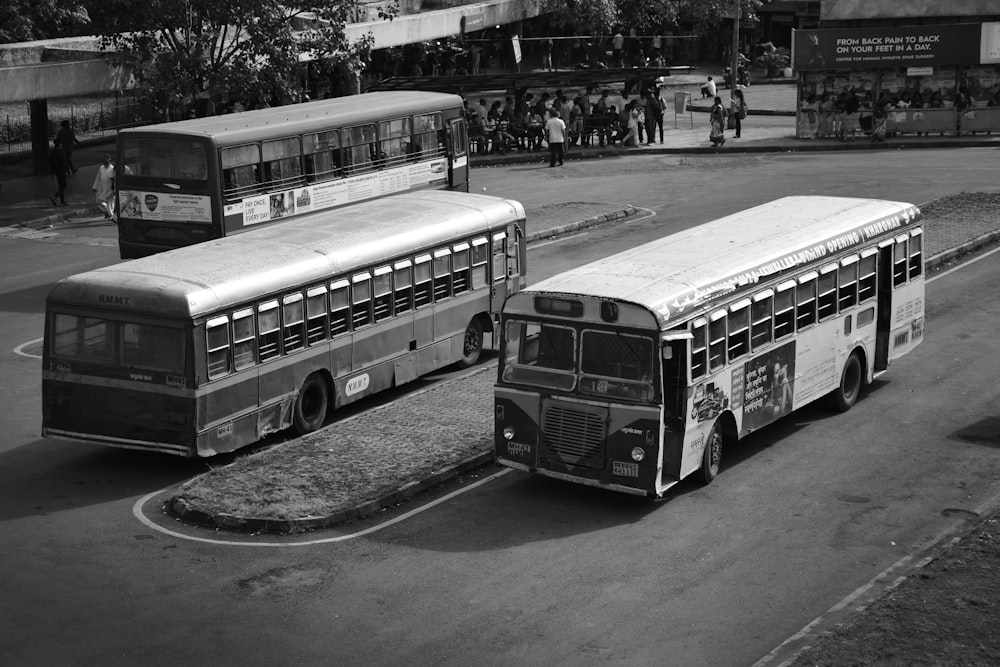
[(340, 313), (423, 290), (499, 254), (239, 191), (382, 301), (917, 256), (213, 350), (786, 314), (296, 176), (480, 264), (293, 331), (900, 260), (765, 320), (868, 282), (398, 142), (402, 294), (265, 309), (246, 343), (313, 146), (717, 340), (805, 300), (826, 302), (361, 308), (741, 347), (847, 290), (461, 268), (317, 325), (442, 274), (699, 348)]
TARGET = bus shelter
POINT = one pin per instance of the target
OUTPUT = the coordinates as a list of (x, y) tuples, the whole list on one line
[(918, 73)]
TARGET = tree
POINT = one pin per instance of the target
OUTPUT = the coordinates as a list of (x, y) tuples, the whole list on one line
[(28, 20), (188, 53), (645, 16)]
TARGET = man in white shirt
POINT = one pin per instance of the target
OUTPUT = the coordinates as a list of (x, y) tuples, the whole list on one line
[(709, 89), (555, 129)]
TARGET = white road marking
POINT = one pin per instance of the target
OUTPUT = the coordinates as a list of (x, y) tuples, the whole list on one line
[(20, 349), (138, 513)]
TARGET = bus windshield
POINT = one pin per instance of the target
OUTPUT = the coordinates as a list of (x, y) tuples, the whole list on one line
[(603, 363), (162, 157), (116, 343)]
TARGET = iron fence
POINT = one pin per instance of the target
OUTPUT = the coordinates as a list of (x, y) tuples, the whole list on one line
[(90, 118)]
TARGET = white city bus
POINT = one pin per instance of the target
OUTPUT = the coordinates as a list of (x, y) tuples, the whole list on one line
[(632, 372), (208, 348)]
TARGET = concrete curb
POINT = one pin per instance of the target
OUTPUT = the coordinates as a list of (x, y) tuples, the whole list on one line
[(180, 508)]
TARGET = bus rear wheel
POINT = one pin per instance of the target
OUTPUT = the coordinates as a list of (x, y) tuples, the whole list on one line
[(472, 344), (311, 405), (846, 394), (711, 459)]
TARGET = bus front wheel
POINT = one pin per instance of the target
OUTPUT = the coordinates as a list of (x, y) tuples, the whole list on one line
[(472, 344), (711, 459), (846, 394), (311, 405)]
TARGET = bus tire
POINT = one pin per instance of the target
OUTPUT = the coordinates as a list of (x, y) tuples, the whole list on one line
[(311, 405), (711, 458), (846, 394), (472, 344)]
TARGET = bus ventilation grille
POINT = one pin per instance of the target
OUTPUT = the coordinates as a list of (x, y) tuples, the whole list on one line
[(573, 436)]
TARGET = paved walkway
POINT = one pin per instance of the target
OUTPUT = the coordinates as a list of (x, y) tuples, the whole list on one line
[(24, 198)]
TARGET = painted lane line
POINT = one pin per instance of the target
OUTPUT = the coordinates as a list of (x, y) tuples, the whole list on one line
[(19, 350), (138, 513)]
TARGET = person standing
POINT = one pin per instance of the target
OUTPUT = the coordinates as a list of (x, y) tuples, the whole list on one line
[(852, 106), (717, 135), (738, 108), (555, 130), (654, 115), (547, 54), (59, 169), (67, 141), (104, 187), (474, 57), (618, 49)]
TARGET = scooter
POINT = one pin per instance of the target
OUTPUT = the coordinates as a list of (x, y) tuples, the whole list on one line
[(742, 76)]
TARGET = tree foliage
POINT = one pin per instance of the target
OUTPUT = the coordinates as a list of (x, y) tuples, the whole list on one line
[(28, 20), (646, 16), (219, 50)]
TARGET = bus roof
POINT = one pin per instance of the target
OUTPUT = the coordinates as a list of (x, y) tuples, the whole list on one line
[(681, 275), (200, 279), (291, 119)]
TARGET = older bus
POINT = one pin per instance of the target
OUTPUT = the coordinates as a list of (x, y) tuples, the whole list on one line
[(205, 349), (193, 180), (633, 372)]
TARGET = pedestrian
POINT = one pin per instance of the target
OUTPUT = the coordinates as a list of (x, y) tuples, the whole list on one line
[(709, 89), (104, 187), (632, 124), (654, 114), (59, 169), (474, 56), (67, 141), (738, 109), (601, 111), (852, 105), (555, 129), (547, 54), (618, 49), (717, 117)]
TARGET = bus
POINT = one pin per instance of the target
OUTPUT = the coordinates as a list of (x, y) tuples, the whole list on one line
[(206, 349), (635, 371), (194, 180)]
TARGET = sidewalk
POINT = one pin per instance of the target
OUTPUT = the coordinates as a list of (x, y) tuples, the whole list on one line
[(770, 127)]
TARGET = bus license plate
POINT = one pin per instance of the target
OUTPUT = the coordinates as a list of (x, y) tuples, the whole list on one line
[(624, 469)]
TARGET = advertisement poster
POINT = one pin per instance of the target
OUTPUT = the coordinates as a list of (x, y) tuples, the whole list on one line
[(768, 386), (165, 206), (989, 46), (906, 46)]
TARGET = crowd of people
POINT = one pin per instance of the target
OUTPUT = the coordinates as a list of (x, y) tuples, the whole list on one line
[(508, 124)]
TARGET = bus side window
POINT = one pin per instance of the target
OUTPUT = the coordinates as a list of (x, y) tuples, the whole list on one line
[(428, 130), (240, 171), (394, 141), (322, 155), (217, 345), (867, 274), (361, 300), (699, 348), (316, 326), (827, 292), (293, 319), (460, 268), (267, 325), (382, 290), (282, 163), (717, 340), (848, 283), (403, 286), (244, 343), (916, 253), (761, 324), (442, 274), (805, 297), (422, 284), (784, 310), (739, 329), (480, 255), (499, 257), (340, 308), (359, 148), (900, 261)]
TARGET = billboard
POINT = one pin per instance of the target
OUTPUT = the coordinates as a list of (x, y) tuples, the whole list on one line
[(905, 46)]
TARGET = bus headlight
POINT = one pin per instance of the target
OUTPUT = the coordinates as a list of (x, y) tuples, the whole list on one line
[(508, 432), (638, 453)]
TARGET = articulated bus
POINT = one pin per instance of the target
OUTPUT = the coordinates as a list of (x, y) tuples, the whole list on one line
[(206, 349), (194, 180), (633, 372)]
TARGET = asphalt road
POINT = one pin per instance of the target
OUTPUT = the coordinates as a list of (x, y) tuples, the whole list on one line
[(523, 570)]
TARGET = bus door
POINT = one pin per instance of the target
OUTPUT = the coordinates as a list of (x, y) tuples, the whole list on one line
[(883, 319), (504, 282), (674, 375), (458, 169)]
